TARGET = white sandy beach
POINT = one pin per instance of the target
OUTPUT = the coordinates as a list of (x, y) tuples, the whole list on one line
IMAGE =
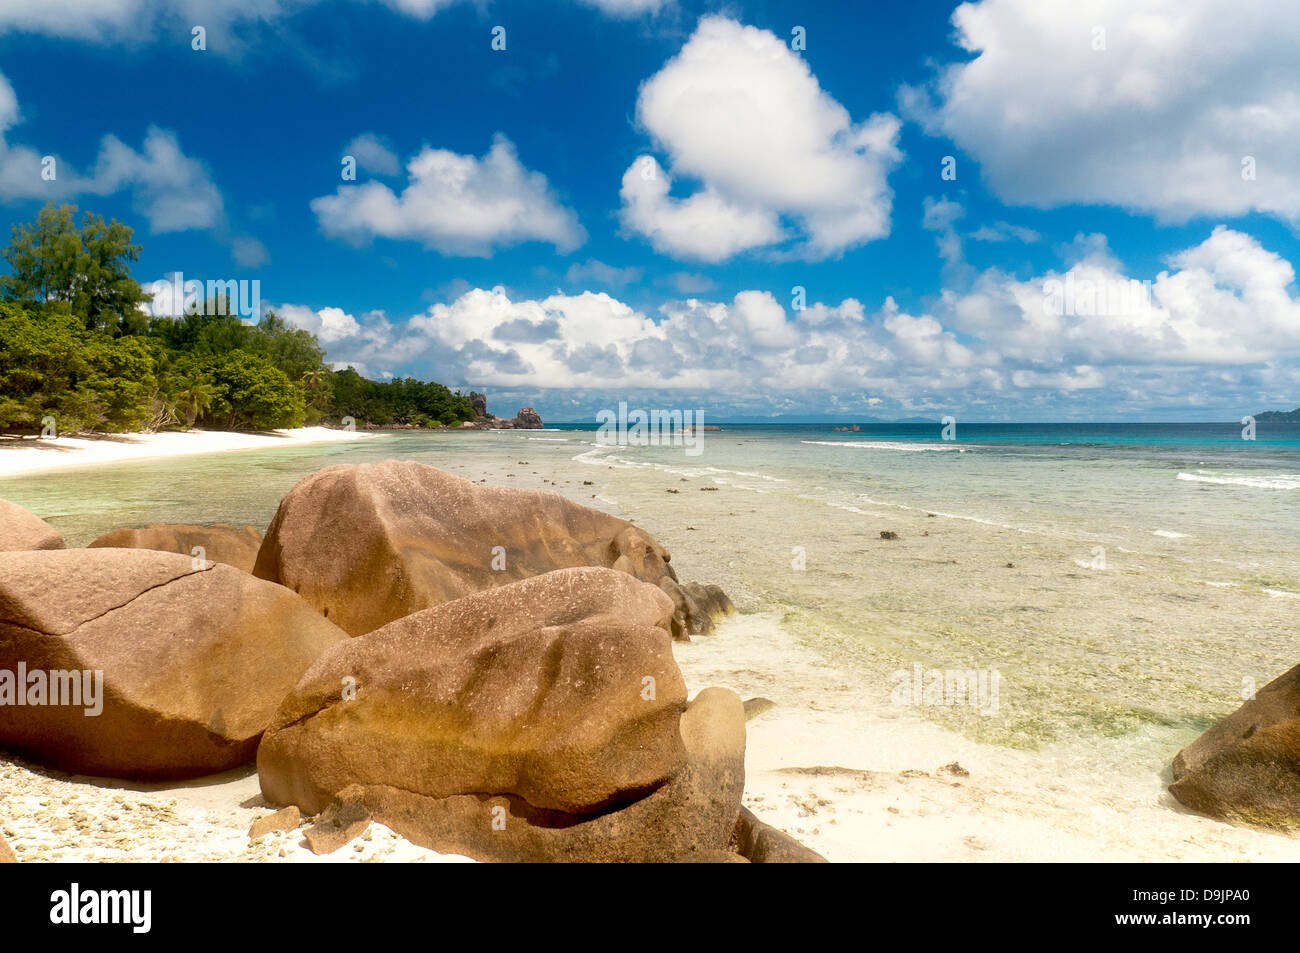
[(861, 783), (19, 457), (52, 817)]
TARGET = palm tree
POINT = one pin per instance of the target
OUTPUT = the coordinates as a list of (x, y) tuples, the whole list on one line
[(316, 384), (195, 400)]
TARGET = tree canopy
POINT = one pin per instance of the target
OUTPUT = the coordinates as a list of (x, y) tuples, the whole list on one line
[(77, 345)]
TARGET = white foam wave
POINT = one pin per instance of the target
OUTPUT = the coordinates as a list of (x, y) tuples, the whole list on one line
[(1282, 481)]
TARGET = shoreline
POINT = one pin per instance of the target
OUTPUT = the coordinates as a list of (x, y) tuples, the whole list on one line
[(22, 457)]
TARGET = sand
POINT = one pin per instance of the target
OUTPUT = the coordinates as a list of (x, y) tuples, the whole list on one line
[(858, 781), (19, 457), (52, 817)]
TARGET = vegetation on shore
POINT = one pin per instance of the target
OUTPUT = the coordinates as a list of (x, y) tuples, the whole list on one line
[(78, 346)]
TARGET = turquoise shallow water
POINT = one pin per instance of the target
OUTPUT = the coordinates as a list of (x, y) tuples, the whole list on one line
[(1119, 578)]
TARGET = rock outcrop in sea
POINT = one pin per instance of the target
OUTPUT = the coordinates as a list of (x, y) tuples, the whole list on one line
[(526, 419)]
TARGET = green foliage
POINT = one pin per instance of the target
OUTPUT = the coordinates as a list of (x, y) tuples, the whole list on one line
[(75, 345), (50, 365), (250, 391), (122, 380), (399, 401), (293, 350), (88, 268)]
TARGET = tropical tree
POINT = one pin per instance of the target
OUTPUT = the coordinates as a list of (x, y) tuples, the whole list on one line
[(196, 398), (42, 257), (89, 268), (254, 393)]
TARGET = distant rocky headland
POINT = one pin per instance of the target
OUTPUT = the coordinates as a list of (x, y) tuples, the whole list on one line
[(1279, 416), (526, 419)]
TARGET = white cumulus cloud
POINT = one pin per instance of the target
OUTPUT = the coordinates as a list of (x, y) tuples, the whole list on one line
[(777, 157), (373, 154), (455, 204), (172, 190), (1219, 326), (1157, 106)]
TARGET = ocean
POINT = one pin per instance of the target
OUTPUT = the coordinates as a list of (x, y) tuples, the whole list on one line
[(1106, 591)]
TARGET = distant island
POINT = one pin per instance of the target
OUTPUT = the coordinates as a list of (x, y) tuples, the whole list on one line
[(1279, 416)]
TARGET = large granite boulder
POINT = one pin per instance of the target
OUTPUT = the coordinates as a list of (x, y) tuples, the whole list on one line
[(372, 543), (691, 816), (1247, 767), (186, 665), (534, 688), (537, 721), (21, 530), (221, 542)]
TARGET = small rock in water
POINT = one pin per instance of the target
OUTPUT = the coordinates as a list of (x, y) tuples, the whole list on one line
[(956, 770), (756, 706), (888, 534)]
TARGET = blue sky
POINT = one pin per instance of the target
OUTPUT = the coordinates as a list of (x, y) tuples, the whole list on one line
[(620, 204)]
